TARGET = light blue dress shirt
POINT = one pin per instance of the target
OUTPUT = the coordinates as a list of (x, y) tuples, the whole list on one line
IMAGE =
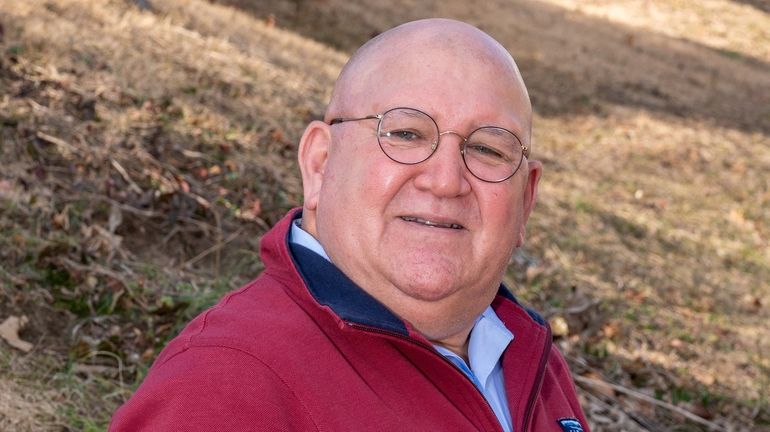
[(488, 340)]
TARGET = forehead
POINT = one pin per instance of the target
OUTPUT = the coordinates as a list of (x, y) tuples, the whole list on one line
[(461, 82)]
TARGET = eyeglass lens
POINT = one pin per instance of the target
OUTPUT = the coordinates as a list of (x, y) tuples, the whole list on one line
[(410, 136)]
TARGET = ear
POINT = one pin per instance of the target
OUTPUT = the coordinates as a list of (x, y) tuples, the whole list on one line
[(313, 154), (535, 169)]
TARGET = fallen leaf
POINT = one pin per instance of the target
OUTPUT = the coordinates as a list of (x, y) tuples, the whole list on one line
[(534, 271), (148, 354), (62, 220), (559, 326), (276, 135), (256, 207), (9, 330), (19, 240), (184, 185), (751, 302), (610, 330), (251, 211), (699, 410), (201, 172)]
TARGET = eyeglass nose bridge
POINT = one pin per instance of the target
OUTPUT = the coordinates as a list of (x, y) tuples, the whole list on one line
[(450, 132)]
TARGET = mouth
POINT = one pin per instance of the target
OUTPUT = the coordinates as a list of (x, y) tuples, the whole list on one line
[(430, 223)]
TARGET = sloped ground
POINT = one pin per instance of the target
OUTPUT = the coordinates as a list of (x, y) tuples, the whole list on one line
[(142, 162), (145, 152)]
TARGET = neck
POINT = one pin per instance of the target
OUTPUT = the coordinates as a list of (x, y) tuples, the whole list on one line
[(457, 343)]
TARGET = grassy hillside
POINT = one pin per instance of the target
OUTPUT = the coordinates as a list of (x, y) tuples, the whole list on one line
[(146, 151)]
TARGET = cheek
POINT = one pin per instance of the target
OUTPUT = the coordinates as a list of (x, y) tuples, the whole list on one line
[(352, 186), (387, 177), (496, 205), (378, 180), (501, 215)]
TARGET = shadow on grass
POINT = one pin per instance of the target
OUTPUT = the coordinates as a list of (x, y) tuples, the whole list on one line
[(571, 62), (761, 5)]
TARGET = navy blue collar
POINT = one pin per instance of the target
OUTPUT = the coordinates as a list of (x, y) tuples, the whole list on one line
[(330, 287)]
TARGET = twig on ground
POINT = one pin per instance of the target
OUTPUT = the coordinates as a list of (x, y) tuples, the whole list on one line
[(205, 226), (170, 234), (103, 369), (65, 147), (259, 221), (123, 173), (576, 310), (124, 207), (643, 397), (624, 420), (216, 247), (96, 268)]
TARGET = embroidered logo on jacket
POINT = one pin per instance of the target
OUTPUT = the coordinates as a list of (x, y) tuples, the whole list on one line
[(570, 425)]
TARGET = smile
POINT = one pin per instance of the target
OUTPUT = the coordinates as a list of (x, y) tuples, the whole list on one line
[(431, 223)]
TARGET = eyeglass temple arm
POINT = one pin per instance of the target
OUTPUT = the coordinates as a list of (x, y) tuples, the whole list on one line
[(337, 120)]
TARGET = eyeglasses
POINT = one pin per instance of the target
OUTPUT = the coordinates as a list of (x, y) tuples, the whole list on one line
[(410, 136)]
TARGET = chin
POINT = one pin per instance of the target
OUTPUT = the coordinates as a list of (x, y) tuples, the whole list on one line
[(425, 275), (427, 286)]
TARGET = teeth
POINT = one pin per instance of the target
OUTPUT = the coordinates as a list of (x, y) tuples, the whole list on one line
[(430, 223)]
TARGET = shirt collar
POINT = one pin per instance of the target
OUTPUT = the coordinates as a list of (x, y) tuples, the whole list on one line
[(489, 339), (303, 238)]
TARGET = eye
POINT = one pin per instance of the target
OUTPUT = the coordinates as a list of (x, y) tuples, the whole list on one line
[(403, 135), (485, 152)]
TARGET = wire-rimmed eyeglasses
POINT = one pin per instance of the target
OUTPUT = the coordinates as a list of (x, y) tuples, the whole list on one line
[(410, 136)]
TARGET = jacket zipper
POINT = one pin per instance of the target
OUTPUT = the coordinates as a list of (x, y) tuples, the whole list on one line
[(429, 349), (538, 379)]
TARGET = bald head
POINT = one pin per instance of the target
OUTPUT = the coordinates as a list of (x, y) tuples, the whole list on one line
[(430, 240), (442, 47)]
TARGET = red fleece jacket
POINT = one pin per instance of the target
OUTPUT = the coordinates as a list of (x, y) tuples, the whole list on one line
[(301, 348)]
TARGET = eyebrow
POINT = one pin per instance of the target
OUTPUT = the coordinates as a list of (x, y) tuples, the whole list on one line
[(416, 114), (498, 130), (516, 128)]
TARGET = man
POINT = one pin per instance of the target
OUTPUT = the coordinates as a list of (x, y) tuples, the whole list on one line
[(381, 306)]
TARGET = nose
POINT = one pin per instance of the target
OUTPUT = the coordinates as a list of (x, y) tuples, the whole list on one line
[(444, 173)]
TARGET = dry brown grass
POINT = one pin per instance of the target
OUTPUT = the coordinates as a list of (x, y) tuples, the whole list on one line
[(145, 152), (143, 160), (733, 27), (16, 404)]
